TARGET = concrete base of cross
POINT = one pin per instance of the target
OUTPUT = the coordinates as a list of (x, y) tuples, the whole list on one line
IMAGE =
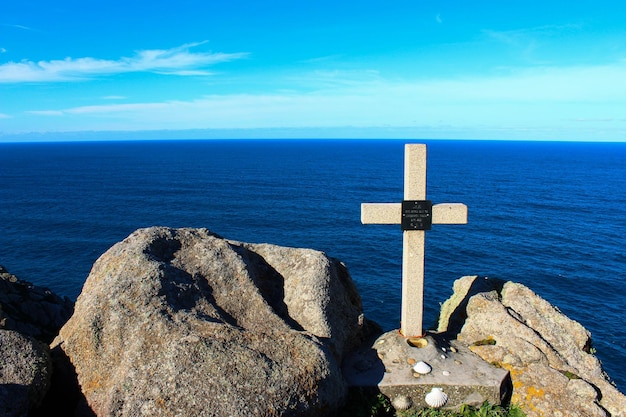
[(386, 365)]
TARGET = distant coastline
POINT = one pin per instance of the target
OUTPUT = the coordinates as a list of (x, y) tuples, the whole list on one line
[(345, 132)]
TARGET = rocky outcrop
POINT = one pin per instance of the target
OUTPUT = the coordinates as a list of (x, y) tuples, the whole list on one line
[(25, 371), (181, 322), (547, 354), (31, 310), (30, 317)]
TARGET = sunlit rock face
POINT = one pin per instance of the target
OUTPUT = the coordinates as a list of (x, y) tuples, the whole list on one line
[(548, 355), (182, 322)]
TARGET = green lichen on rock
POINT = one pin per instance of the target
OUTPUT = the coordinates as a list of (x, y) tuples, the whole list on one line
[(490, 341)]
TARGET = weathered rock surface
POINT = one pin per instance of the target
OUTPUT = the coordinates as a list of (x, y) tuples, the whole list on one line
[(181, 322), (30, 317), (547, 354), (31, 310), (25, 370)]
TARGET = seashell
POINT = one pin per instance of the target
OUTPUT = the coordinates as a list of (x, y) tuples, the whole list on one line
[(446, 373), (436, 398), (422, 368), (401, 403)]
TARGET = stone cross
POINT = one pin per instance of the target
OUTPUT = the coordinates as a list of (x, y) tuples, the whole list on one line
[(415, 214)]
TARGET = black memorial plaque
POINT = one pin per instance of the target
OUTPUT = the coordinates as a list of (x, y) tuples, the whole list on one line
[(417, 214)]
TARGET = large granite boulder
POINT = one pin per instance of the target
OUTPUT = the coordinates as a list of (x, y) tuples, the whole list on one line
[(30, 309), (181, 322), (547, 354), (25, 370)]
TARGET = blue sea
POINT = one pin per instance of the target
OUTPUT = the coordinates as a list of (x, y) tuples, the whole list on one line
[(549, 215)]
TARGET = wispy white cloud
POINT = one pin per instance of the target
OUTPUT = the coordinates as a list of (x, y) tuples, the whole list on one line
[(542, 98), (4, 116), (323, 59), (335, 79), (520, 37), (179, 61), (185, 73), (114, 98), (536, 45), (120, 108), (3, 50), (16, 26), (46, 112), (540, 86)]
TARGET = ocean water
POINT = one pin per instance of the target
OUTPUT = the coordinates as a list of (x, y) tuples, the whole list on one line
[(549, 215)]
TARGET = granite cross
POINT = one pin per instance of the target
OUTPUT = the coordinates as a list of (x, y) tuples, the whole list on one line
[(415, 215)]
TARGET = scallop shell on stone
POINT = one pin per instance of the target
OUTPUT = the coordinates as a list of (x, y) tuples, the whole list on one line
[(422, 368), (436, 398), (401, 403)]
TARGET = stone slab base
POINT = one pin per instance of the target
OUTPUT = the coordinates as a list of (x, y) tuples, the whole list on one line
[(387, 364)]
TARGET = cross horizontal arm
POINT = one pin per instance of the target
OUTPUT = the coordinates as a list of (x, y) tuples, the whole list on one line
[(391, 213), (381, 213), (450, 213)]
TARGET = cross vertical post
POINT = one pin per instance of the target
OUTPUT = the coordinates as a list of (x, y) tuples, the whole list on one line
[(413, 242), (415, 214)]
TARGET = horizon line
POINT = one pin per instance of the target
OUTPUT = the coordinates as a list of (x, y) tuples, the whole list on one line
[(298, 133)]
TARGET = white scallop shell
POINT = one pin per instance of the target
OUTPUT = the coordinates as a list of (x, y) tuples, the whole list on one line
[(436, 398), (401, 403), (422, 368)]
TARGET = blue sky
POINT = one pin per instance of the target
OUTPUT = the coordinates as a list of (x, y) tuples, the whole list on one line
[(547, 70)]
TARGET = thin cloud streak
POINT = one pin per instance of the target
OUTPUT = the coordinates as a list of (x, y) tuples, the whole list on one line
[(22, 27), (514, 36), (46, 112), (178, 61)]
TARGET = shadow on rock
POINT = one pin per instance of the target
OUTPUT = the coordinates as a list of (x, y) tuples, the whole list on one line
[(64, 397), (451, 323)]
